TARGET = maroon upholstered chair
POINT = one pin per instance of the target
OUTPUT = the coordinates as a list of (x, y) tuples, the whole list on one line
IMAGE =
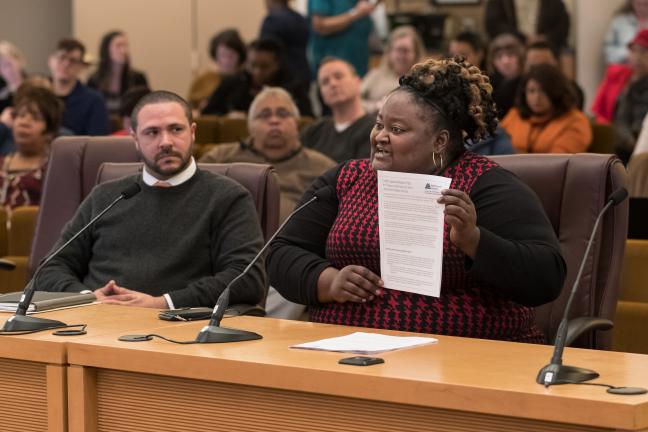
[(573, 189), (71, 175), (260, 180)]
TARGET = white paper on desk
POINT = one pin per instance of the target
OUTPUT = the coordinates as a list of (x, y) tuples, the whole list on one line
[(411, 231), (366, 343)]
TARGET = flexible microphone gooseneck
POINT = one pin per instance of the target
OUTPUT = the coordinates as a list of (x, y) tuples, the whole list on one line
[(555, 372), (213, 332), (20, 322)]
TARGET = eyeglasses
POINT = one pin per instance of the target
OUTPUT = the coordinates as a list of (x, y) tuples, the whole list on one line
[(63, 57), (266, 114)]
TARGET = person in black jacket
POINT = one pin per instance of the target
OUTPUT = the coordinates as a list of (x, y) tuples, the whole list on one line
[(263, 67), (291, 28), (550, 22)]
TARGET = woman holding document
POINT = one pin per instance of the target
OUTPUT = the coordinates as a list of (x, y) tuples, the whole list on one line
[(500, 254)]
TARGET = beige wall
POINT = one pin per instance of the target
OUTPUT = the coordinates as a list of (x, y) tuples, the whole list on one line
[(168, 38), (35, 26), (589, 25)]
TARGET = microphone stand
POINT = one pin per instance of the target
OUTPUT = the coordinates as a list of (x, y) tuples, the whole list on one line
[(556, 372), (20, 321), (213, 332)]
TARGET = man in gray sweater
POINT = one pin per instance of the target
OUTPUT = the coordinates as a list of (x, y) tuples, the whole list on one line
[(178, 242)]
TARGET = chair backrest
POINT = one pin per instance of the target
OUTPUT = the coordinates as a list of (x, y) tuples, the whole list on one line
[(71, 175), (573, 189), (260, 180)]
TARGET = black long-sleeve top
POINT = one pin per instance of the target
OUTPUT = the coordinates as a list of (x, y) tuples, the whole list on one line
[(518, 260)]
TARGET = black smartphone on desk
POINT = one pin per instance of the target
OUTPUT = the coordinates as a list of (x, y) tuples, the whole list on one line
[(361, 361)]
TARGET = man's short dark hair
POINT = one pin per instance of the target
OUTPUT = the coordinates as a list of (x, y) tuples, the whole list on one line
[(543, 45), (269, 44), (160, 96), (331, 59), (472, 39), (69, 45)]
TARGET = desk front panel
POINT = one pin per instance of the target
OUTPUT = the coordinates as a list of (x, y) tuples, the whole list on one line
[(33, 367), (488, 382)]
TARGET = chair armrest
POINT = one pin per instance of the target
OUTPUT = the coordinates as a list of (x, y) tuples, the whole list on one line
[(580, 325)]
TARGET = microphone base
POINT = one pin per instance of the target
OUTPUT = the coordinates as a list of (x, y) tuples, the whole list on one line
[(212, 334), (21, 323), (562, 374)]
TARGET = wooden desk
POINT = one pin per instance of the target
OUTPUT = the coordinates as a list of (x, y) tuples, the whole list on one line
[(33, 367), (458, 384)]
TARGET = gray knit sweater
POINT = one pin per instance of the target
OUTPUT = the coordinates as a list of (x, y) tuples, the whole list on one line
[(189, 241)]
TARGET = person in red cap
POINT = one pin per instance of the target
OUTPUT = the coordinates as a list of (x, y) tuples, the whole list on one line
[(632, 104), (617, 78)]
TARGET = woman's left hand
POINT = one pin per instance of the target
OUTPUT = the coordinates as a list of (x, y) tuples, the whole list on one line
[(460, 214)]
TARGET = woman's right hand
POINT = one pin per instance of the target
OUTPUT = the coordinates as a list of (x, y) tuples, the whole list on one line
[(353, 283)]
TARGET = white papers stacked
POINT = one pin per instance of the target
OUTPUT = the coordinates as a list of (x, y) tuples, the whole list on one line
[(366, 343)]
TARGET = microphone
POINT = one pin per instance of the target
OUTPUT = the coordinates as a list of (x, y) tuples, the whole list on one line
[(20, 321), (213, 332), (555, 372)]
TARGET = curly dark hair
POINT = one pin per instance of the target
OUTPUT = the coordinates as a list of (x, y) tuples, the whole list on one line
[(42, 101), (459, 94), (555, 85)]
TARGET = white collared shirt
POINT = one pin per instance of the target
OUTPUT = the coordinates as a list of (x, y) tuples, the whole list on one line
[(176, 180)]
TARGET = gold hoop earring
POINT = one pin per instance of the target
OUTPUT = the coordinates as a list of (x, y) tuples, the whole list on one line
[(434, 160)]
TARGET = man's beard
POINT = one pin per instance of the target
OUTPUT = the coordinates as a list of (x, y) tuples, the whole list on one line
[(169, 172)]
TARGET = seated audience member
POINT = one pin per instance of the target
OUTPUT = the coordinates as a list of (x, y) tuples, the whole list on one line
[(618, 77), (264, 67), (545, 118), (37, 118), (345, 134), (537, 20), (615, 80), (404, 49), (470, 46), (179, 241), (500, 258), (506, 65), (115, 75), (8, 115), (228, 52), (626, 22), (12, 72), (291, 28), (85, 110), (274, 139), (128, 102), (632, 104), (543, 53)]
